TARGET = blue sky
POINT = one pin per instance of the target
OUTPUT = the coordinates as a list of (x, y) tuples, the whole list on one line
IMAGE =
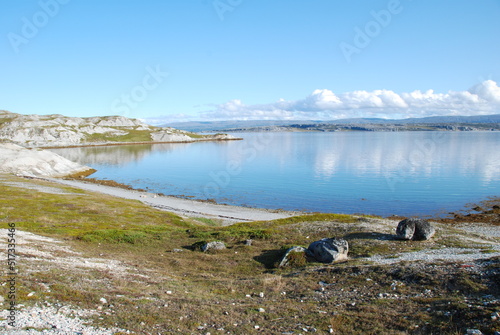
[(250, 59)]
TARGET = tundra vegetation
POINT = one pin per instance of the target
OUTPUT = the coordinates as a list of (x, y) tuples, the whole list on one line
[(157, 282)]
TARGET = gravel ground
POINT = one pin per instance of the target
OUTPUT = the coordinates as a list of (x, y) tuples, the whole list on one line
[(40, 253), (63, 320), (436, 255)]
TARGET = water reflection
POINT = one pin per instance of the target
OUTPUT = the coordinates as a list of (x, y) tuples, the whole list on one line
[(395, 172), (115, 154)]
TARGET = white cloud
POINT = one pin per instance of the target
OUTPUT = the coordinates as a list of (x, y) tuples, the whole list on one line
[(323, 104), (487, 90)]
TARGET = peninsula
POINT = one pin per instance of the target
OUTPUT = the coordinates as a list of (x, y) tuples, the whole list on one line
[(62, 131)]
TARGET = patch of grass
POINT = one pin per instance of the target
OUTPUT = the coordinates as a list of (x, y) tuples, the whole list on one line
[(489, 250), (231, 233), (467, 283), (297, 259), (208, 222), (131, 136), (4, 120), (368, 248), (81, 175), (83, 214), (115, 236), (194, 135)]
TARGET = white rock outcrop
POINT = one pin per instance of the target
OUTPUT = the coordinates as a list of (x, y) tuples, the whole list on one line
[(36, 162), (168, 136), (59, 131)]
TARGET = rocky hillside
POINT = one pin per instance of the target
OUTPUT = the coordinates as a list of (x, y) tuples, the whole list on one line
[(58, 130)]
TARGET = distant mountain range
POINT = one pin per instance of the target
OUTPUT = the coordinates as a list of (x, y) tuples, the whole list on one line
[(439, 122)]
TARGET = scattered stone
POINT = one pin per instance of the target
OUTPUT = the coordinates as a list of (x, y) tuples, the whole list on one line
[(103, 301), (177, 250), (213, 246), (261, 294), (291, 255), (415, 229), (262, 310), (248, 242), (329, 250), (474, 332)]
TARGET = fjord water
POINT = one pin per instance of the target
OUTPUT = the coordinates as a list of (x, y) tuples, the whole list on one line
[(382, 173)]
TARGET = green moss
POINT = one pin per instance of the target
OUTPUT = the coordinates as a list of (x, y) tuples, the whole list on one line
[(84, 215), (116, 236), (131, 136), (297, 259)]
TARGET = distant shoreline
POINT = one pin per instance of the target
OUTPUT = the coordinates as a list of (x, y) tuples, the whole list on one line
[(138, 143)]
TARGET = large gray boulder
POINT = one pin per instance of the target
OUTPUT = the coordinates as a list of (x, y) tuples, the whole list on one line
[(328, 250), (415, 229)]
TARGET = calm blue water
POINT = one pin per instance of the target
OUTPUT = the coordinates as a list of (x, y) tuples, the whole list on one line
[(383, 173)]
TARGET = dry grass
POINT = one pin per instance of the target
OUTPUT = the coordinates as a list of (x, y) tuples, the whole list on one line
[(172, 289)]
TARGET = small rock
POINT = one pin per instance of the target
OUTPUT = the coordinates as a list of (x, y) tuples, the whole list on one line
[(261, 294), (248, 242), (474, 332), (103, 301), (262, 310), (213, 246)]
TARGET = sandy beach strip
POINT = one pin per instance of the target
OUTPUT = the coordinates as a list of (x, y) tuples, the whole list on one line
[(184, 207)]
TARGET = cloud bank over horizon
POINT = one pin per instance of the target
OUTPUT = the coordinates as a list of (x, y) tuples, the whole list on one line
[(323, 104)]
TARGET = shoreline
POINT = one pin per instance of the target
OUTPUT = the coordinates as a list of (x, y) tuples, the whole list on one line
[(135, 143), (228, 214)]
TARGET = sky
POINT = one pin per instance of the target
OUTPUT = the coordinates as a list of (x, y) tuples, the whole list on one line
[(187, 60)]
